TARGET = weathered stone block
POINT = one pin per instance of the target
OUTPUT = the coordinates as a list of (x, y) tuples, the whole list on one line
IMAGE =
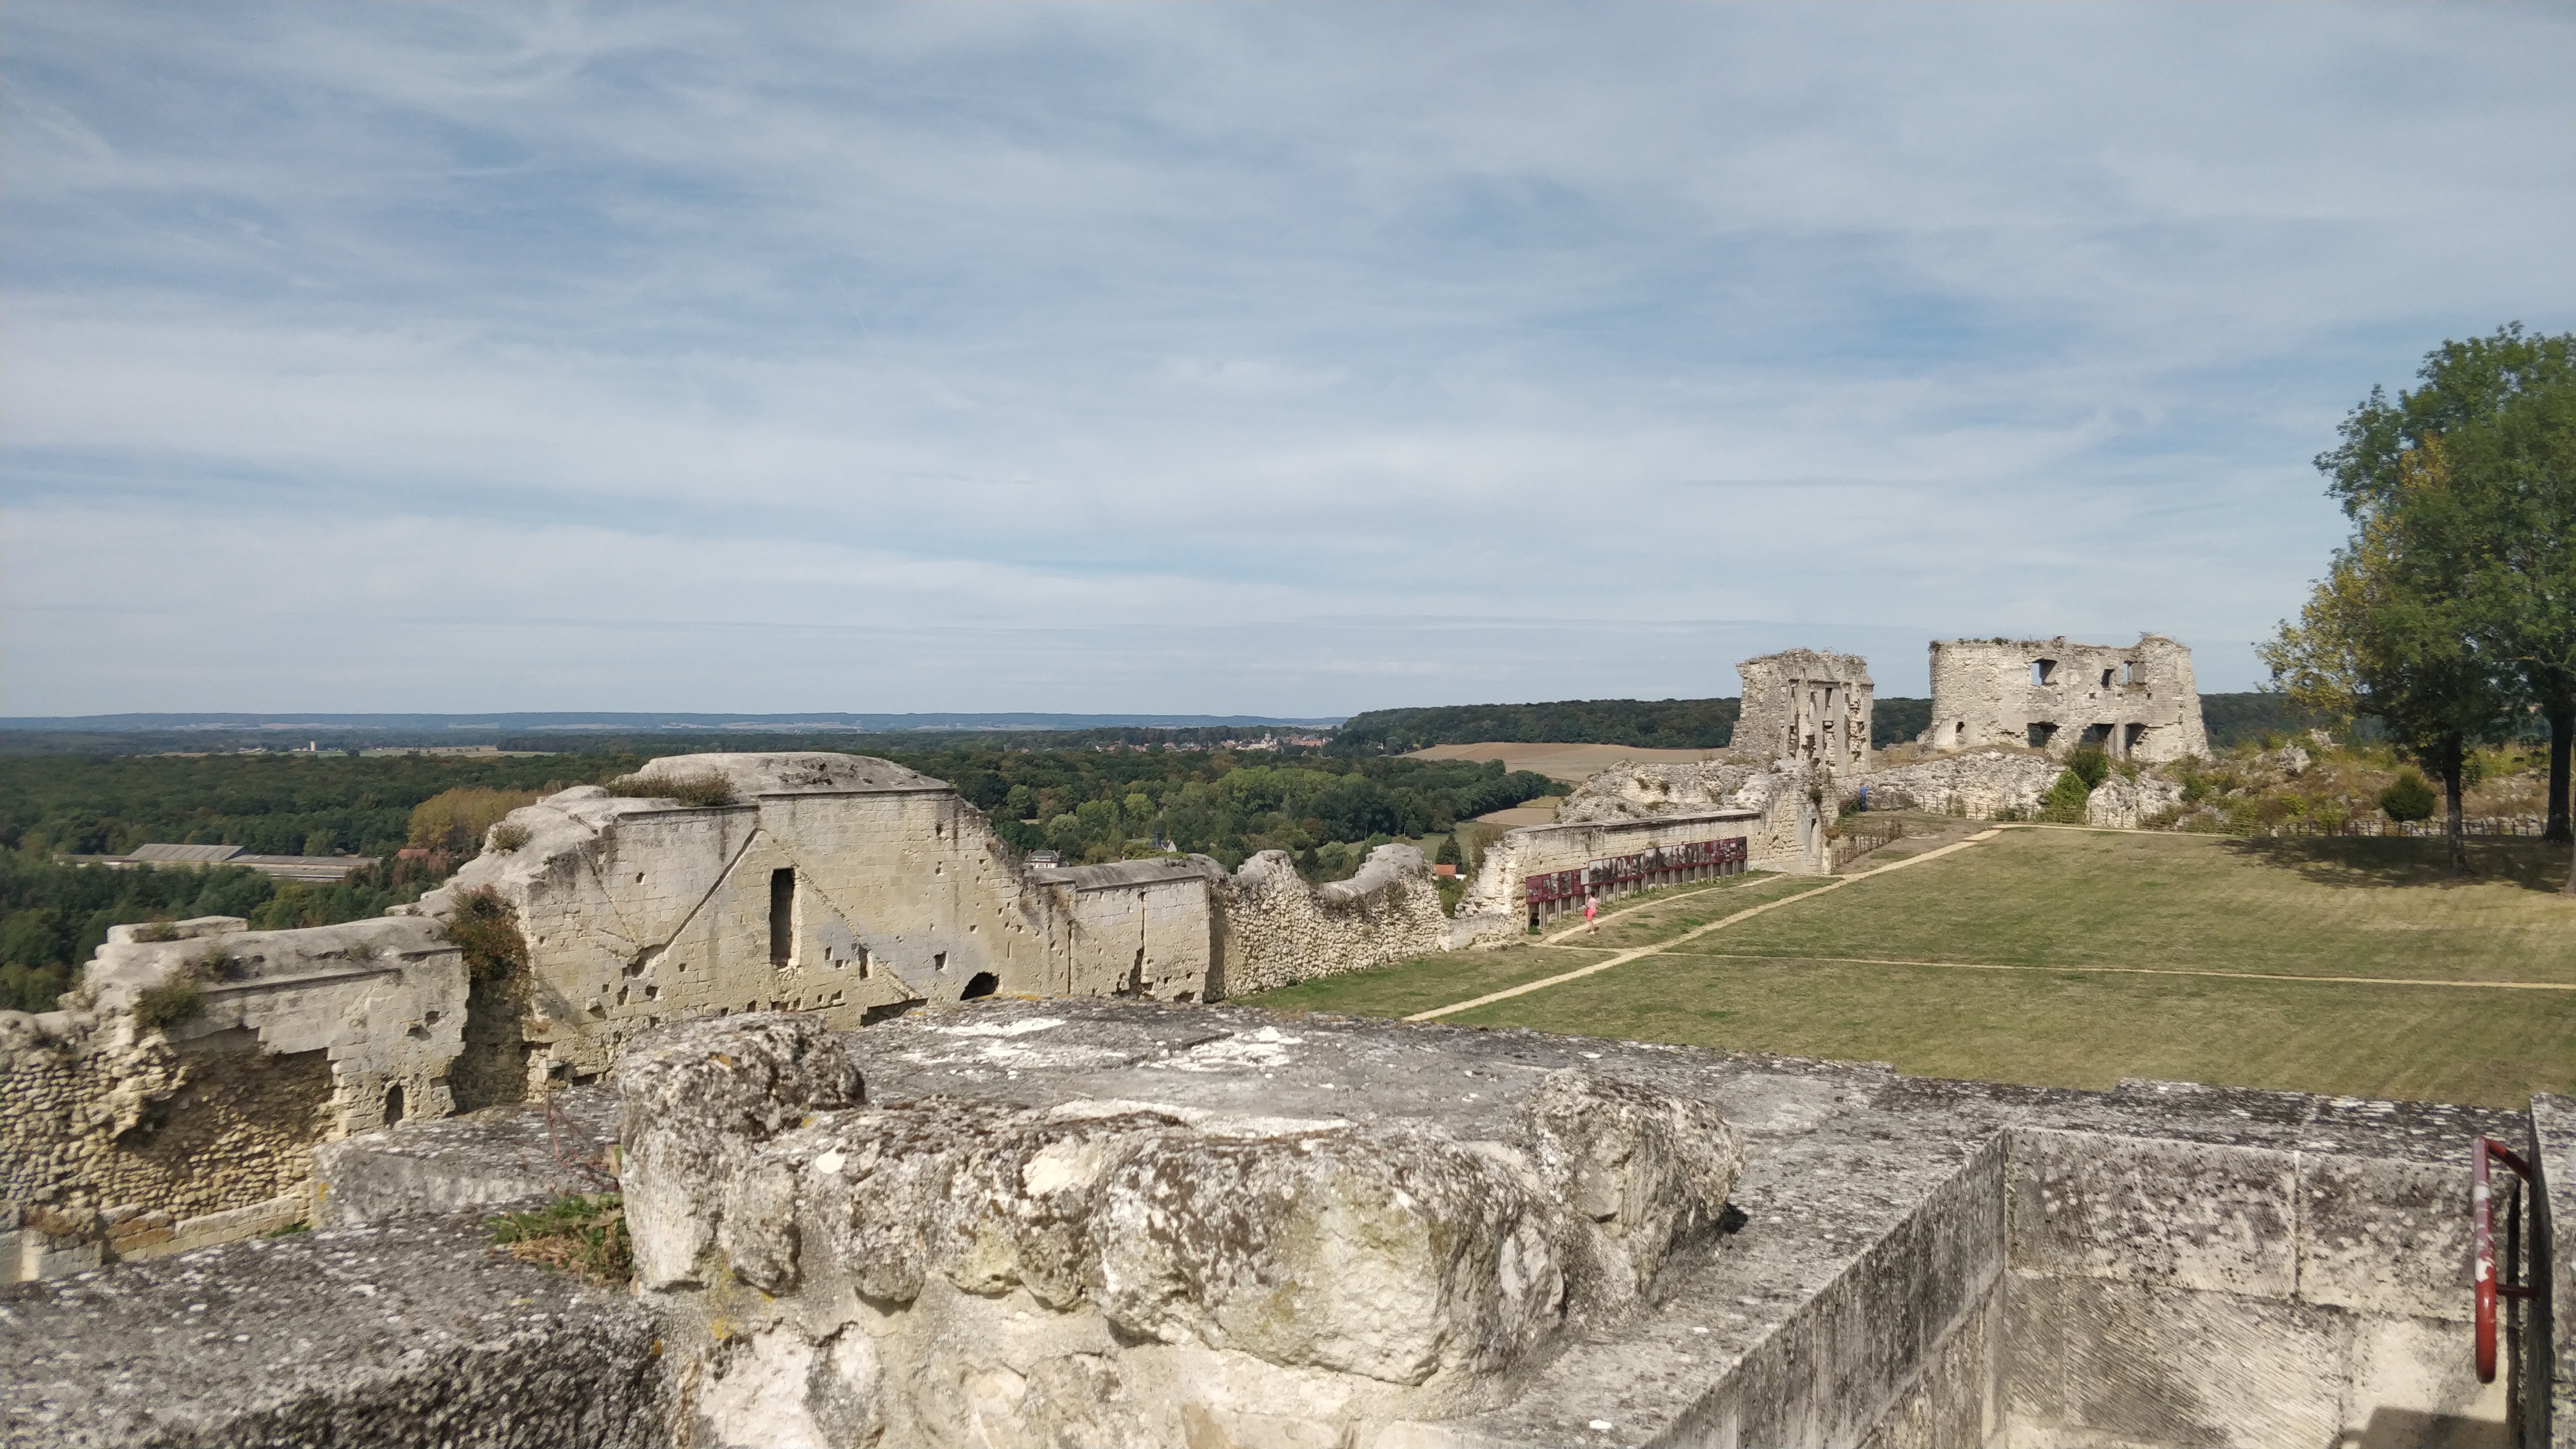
[(2187, 1214), (2384, 1237), (2088, 1358)]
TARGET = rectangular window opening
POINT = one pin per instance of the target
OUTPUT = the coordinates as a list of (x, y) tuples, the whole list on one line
[(2043, 671), (782, 915), (2041, 734)]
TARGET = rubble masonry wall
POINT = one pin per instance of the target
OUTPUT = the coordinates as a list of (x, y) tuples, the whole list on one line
[(2138, 701)]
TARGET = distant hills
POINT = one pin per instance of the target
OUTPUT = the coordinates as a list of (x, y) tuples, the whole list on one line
[(1704, 724), (601, 721)]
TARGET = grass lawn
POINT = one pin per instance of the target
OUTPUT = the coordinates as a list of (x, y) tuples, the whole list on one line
[(2053, 898), (2069, 898), (1410, 986)]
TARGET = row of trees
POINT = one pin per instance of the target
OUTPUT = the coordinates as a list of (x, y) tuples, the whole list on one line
[(2449, 615)]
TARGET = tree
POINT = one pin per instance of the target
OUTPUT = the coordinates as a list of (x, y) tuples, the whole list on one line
[(2386, 634), (2500, 404), (2516, 472)]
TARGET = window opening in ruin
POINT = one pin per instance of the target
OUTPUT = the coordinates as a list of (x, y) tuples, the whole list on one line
[(782, 914), (393, 1106), (2106, 679), (939, 961), (2128, 671), (2043, 671), (2041, 734), (982, 983), (2135, 733), (2099, 734), (1960, 732)]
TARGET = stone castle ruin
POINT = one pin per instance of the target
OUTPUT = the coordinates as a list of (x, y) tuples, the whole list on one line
[(920, 1144), (845, 887), (2137, 702), (1808, 706)]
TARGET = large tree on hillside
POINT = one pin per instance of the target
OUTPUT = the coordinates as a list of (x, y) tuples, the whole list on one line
[(2474, 393), (2388, 634), (2516, 473)]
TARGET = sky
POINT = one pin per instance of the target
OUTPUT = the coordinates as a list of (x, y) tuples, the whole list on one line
[(1281, 359)]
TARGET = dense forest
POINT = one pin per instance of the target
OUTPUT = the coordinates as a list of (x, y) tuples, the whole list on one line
[(1655, 724), (1095, 804)]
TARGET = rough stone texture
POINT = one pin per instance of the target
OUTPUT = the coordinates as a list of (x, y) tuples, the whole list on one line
[(2138, 701), (699, 1100), (1644, 792), (2124, 803), (300, 1036), (1276, 929), (1978, 784), (528, 1150), (366, 1336), (1806, 708), (1267, 1267), (1871, 1282)]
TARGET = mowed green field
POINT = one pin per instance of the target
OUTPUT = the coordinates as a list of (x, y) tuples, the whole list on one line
[(2062, 957)]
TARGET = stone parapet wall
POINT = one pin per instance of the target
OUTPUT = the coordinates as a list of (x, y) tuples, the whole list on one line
[(1277, 930), (1088, 1221)]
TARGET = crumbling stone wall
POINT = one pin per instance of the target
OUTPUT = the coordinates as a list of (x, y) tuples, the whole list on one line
[(2137, 701), (297, 1037), (1276, 929), (1977, 784), (1808, 706)]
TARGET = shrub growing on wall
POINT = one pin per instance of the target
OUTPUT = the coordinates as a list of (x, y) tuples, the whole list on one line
[(2064, 802), (487, 929), (2409, 798), (2092, 763)]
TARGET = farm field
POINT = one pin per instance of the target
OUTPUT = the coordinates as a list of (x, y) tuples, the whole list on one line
[(2076, 958), (1571, 764)]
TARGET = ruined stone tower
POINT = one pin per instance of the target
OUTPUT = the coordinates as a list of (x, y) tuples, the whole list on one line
[(2136, 701), (1809, 706)]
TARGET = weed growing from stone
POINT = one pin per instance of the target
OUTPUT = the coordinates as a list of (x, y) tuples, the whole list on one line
[(182, 998), (506, 837), (583, 1234), (706, 789)]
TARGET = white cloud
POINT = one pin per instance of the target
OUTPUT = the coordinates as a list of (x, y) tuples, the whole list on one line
[(1285, 359)]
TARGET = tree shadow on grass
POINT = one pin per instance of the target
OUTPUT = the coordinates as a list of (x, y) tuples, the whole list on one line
[(2527, 862)]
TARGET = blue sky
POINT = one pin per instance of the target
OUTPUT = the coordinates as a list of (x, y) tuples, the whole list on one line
[(1262, 359)]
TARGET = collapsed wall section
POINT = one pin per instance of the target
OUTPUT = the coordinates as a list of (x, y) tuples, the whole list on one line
[(1276, 930), (134, 1133)]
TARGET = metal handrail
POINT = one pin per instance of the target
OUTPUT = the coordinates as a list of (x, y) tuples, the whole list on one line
[(2482, 1271)]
